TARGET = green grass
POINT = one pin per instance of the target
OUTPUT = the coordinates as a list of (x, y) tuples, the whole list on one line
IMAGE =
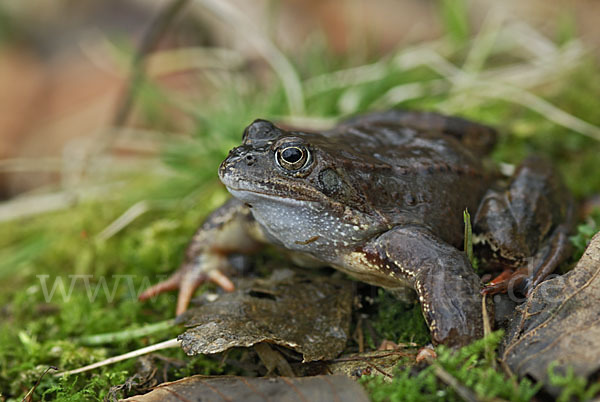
[(585, 232), (36, 333), (468, 366)]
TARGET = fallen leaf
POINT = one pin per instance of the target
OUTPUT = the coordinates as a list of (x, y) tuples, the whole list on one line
[(309, 314), (560, 322), (280, 389), (377, 362)]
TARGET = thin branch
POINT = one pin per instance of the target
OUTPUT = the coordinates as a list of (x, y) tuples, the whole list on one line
[(137, 74), (35, 205), (28, 397), (155, 32), (171, 343), (462, 391)]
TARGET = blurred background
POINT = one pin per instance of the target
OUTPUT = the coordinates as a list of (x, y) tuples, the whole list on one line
[(115, 114), (65, 66)]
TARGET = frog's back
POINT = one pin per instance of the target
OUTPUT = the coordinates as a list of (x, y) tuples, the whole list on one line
[(419, 168), (396, 127)]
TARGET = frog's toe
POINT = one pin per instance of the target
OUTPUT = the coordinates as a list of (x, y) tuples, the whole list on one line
[(509, 278), (170, 284), (192, 280), (426, 354), (187, 279), (524, 279), (188, 285)]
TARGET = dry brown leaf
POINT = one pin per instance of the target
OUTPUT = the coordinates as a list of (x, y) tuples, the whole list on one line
[(378, 362), (276, 389), (559, 322), (309, 314)]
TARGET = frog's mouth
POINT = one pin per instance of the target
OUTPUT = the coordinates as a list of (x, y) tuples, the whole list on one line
[(254, 197), (256, 192), (273, 188)]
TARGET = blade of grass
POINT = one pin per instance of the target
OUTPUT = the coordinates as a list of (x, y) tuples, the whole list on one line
[(455, 18), (126, 335), (468, 246)]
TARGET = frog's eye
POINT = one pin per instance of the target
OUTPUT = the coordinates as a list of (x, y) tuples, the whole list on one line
[(292, 157)]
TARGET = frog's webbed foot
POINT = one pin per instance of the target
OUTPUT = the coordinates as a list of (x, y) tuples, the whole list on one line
[(446, 285), (524, 228), (227, 230), (189, 277), (527, 277), (501, 282)]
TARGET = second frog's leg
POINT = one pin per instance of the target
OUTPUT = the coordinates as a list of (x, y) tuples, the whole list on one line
[(227, 230), (524, 228)]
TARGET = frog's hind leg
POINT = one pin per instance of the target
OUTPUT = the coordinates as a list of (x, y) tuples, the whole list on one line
[(525, 227)]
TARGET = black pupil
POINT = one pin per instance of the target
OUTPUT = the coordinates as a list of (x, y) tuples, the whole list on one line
[(291, 155)]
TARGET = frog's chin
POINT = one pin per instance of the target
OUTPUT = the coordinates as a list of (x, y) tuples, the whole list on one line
[(301, 225), (287, 221)]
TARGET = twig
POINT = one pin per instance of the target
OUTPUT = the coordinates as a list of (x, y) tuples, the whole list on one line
[(346, 77), (379, 370), (468, 246), (483, 43), (487, 327), (153, 35), (361, 336), (136, 210), (171, 343), (28, 396), (511, 376), (136, 77), (487, 330), (464, 392)]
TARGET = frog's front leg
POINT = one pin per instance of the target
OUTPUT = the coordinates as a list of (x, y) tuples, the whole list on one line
[(523, 228), (229, 229), (447, 287)]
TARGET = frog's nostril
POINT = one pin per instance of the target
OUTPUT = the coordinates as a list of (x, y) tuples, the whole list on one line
[(249, 160)]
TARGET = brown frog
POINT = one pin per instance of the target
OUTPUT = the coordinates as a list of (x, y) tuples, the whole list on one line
[(381, 197)]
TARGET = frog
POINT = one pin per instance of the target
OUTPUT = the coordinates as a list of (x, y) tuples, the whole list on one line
[(381, 197)]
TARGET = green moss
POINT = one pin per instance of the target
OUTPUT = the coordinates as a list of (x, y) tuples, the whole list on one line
[(89, 286), (585, 232), (398, 321), (468, 366), (572, 387)]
